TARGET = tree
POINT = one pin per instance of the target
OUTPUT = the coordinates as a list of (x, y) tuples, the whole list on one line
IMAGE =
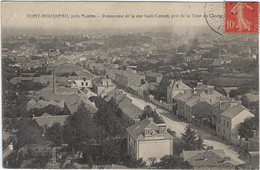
[(55, 134), (29, 132), (148, 112), (172, 162), (133, 163), (189, 138), (109, 116), (200, 143), (246, 128), (81, 129), (39, 162), (161, 91)]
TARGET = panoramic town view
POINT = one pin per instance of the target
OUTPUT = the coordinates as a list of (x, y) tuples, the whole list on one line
[(150, 98)]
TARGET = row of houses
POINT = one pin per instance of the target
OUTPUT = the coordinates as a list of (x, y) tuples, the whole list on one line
[(131, 112), (204, 104)]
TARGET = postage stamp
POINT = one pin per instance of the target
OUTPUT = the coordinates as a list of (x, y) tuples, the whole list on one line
[(241, 17)]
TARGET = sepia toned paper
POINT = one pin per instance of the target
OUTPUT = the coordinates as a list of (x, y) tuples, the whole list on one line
[(120, 85)]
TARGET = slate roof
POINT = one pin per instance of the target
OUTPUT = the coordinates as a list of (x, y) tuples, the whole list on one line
[(180, 85), (233, 111), (184, 97), (192, 101), (129, 108), (72, 101), (209, 158), (116, 94), (146, 86), (50, 120), (252, 97), (84, 73), (137, 130)]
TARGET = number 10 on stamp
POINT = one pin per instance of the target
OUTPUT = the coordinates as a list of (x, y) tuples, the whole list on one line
[(241, 17)]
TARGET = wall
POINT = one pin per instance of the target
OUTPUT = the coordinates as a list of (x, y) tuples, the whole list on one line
[(86, 83), (155, 148), (131, 147), (240, 118)]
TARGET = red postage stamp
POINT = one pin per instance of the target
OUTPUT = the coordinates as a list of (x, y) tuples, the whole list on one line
[(241, 17)]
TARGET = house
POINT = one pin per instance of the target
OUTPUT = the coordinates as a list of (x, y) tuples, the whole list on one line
[(31, 104), (86, 93), (175, 88), (80, 83), (207, 93), (220, 107), (131, 112), (48, 120), (152, 77), (196, 109), (230, 120), (143, 90), (210, 159), (181, 100), (126, 79), (198, 102), (102, 85), (148, 141), (118, 95), (71, 101)]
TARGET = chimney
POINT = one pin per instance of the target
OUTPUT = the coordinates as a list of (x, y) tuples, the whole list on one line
[(194, 90), (162, 128), (147, 132), (210, 90), (54, 81)]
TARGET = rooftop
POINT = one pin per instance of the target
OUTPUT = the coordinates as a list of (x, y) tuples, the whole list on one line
[(210, 158), (234, 111), (49, 120), (129, 108), (137, 130)]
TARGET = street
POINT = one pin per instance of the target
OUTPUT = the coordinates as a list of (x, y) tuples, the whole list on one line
[(178, 127)]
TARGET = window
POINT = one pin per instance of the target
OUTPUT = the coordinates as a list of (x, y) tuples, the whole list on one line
[(224, 122), (86, 83), (227, 123), (82, 83), (218, 128)]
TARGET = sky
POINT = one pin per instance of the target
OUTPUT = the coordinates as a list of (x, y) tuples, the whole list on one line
[(15, 14)]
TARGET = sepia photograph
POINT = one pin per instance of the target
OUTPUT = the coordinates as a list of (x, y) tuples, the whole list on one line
[(130, 85)]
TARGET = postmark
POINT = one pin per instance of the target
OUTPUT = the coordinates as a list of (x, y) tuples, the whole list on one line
[(241, 17), (214, 16)]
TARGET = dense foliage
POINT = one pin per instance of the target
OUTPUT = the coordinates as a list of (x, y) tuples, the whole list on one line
[(191, 140), (246, 128), (148, 112), (172, 162)]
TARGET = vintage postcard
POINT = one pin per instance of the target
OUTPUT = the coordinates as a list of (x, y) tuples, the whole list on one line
[(118, 85)]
